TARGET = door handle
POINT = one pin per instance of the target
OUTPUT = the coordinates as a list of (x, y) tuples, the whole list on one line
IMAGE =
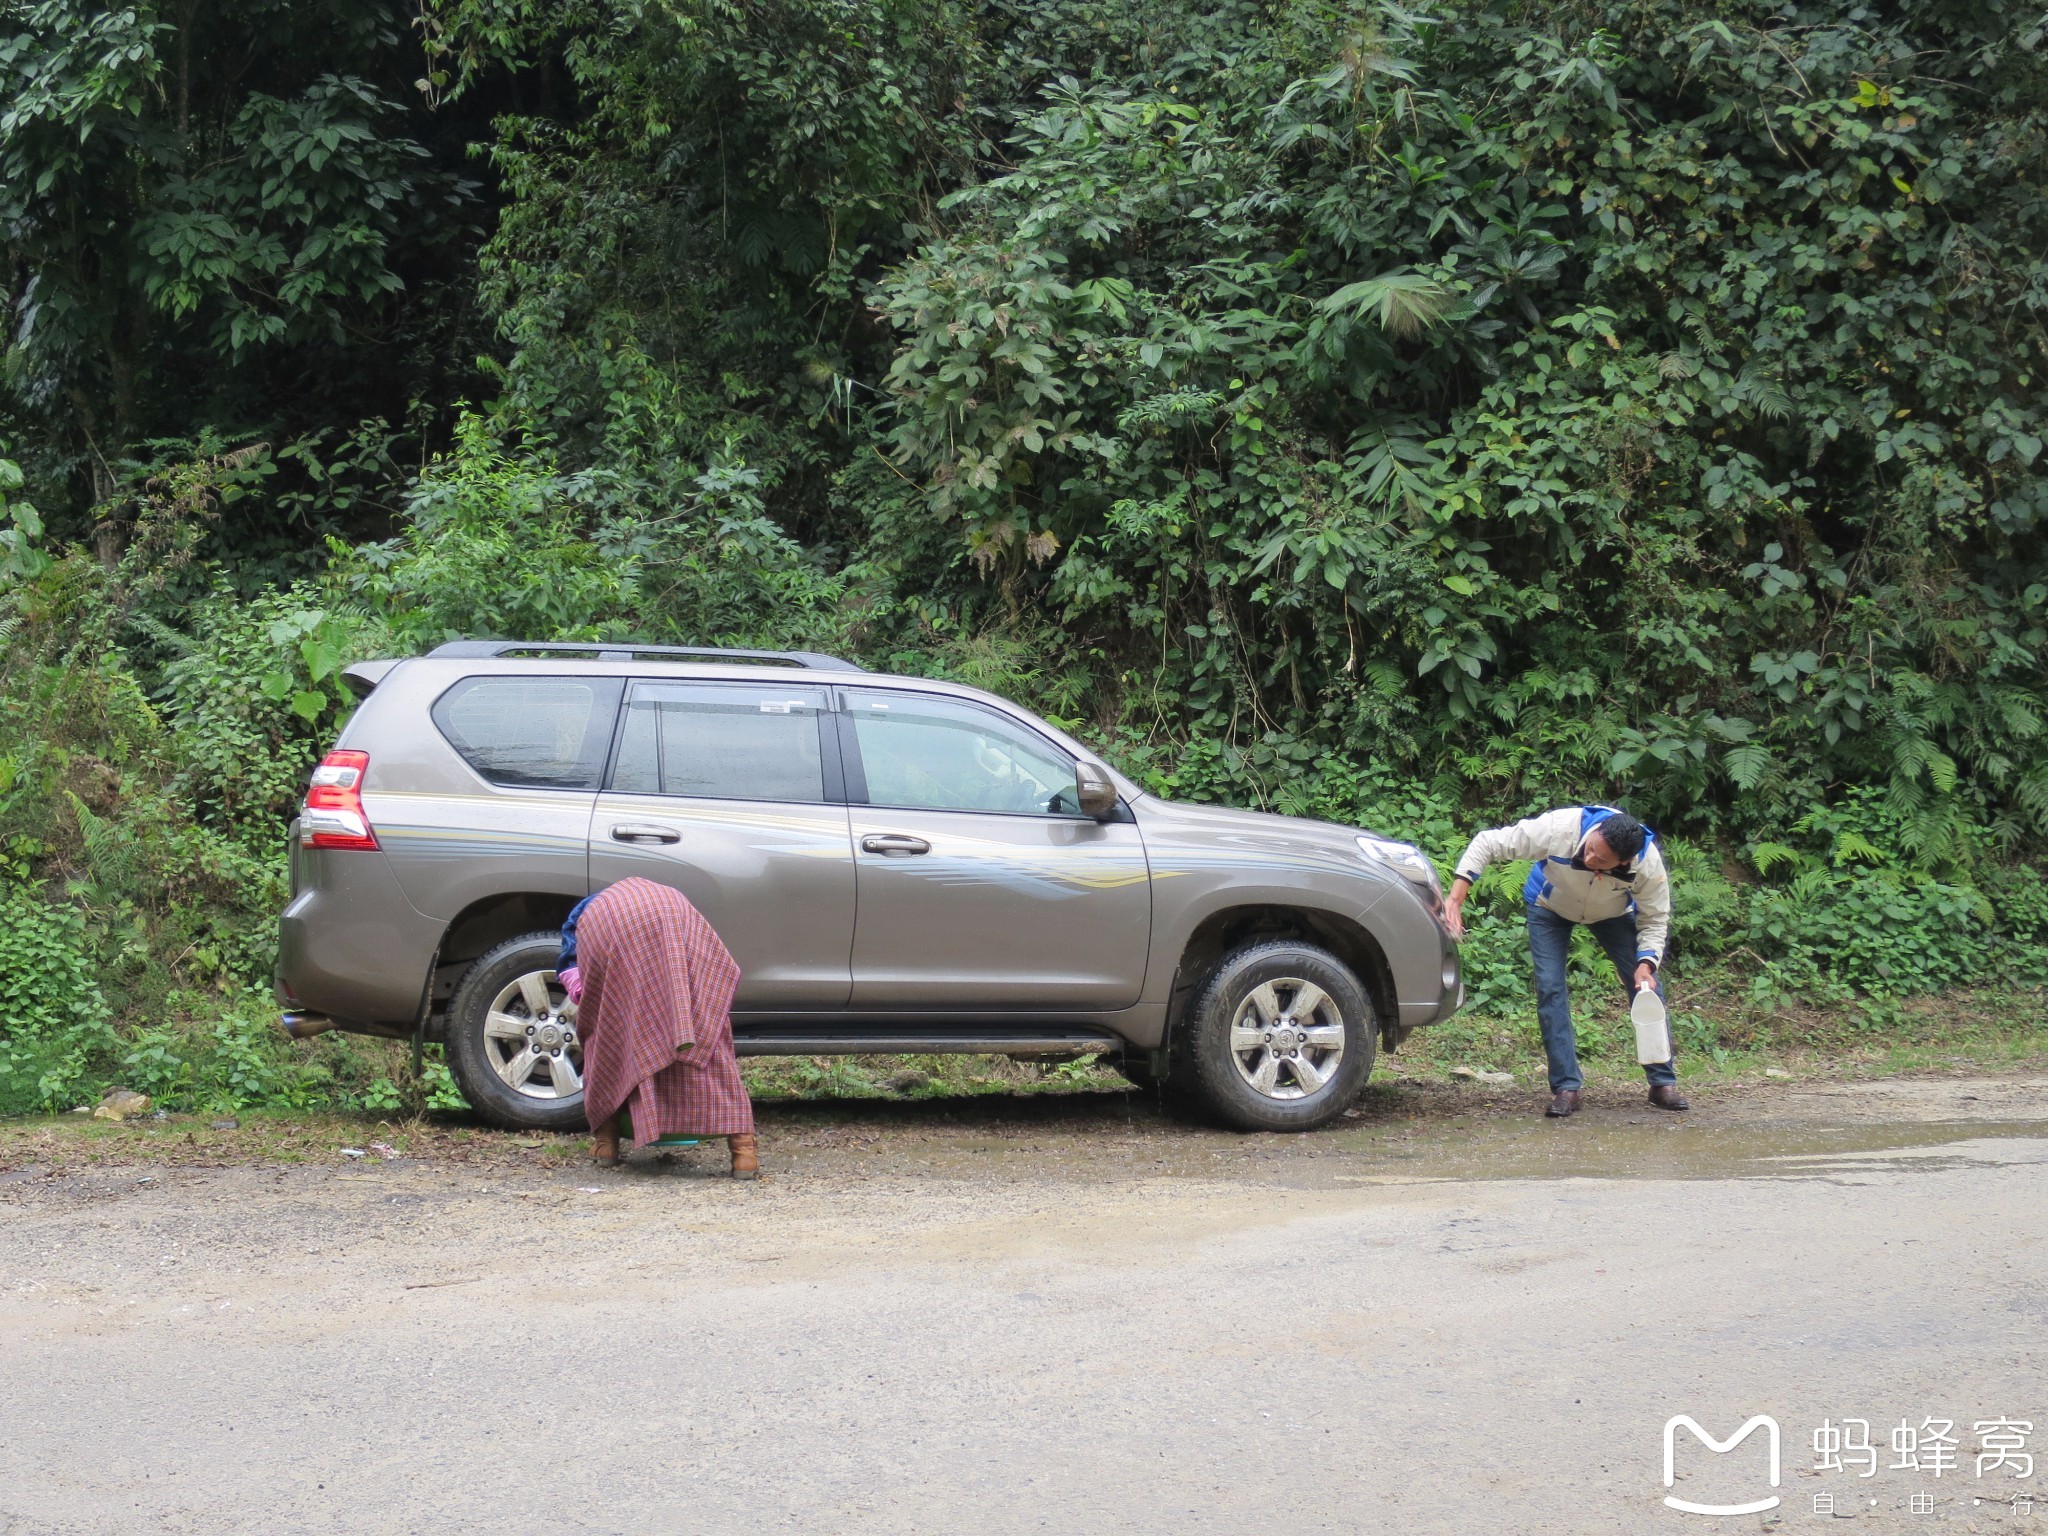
[(641, 832), (895, 844)]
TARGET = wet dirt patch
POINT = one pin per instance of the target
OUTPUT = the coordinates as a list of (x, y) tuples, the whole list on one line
[(1398, 1133)]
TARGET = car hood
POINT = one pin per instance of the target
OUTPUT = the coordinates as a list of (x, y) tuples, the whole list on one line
[(1217, 828)]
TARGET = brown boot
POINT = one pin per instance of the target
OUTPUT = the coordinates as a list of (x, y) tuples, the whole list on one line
[(1667, 1096), (1564, 1105), (746, 1161), (604, 1143)]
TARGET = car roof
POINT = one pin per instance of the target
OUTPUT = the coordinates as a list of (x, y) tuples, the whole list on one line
[(623, 665), (626, 650)]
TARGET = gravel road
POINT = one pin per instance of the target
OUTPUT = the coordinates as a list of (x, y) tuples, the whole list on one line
[(1046, 1315)]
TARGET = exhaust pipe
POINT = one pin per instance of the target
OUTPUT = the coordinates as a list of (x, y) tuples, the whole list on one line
[(304, 1026)]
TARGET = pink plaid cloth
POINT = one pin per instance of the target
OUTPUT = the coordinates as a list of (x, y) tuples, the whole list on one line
[(656, 979)]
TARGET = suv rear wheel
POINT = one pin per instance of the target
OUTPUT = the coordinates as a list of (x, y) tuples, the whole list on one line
[(512, 1041), (1280, 1038)]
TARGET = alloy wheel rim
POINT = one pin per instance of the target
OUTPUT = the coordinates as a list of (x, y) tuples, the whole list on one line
[(1287, 1038), (530, 1038)]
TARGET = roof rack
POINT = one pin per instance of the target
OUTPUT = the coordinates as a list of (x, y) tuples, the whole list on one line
[(615, 650)]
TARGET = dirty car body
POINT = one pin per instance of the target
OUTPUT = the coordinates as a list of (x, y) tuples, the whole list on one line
[(899, 865)]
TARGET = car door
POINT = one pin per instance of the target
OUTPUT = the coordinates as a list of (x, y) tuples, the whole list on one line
[(980, 885), (731, 793)]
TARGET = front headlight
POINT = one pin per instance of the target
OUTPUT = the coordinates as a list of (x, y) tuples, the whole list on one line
[(1405, 860)]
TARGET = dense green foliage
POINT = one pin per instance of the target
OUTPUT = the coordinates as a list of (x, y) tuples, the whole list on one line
[(1412, 418)]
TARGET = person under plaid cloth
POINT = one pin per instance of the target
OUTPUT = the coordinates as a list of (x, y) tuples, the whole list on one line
[(653, 987)]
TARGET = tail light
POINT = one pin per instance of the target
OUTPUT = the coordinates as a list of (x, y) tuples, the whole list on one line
[(333, 815)]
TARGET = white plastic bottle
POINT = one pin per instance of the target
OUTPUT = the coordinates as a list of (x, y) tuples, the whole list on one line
[(1653, 1027)]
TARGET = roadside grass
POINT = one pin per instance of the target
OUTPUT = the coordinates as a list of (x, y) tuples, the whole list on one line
[(1722, 1035), (1724, 1041), (776, 1079)]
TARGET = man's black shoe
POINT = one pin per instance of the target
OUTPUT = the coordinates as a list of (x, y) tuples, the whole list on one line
[(1665, 1096)]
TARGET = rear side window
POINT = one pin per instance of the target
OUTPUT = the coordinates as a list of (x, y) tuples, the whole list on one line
[(532, 732), (721, 741)]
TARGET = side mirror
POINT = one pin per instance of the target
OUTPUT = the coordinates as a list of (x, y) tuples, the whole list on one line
[(1094, 791)]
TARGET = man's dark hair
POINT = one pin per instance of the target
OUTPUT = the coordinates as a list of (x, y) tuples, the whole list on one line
[(1623, 834)]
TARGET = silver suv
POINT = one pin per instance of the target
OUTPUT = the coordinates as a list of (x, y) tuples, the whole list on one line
[(898, 865)]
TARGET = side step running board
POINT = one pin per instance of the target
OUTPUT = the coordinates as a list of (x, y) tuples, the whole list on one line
[(900, 1042)]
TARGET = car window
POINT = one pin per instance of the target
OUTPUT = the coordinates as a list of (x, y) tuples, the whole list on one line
[(539, 732), (935, 754), (721, 741)]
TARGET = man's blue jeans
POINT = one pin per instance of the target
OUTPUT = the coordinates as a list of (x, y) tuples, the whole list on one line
[(1550, 942)]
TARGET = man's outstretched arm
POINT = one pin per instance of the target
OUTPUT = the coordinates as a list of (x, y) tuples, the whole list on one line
[(1534, 837)]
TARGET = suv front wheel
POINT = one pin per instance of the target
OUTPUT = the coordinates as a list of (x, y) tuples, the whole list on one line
[(512, 1041), (1281, 1038)]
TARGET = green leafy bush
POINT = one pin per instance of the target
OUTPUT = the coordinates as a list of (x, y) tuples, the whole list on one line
[(57, 1022), (214, 1054), (251, 699), (498, 542)]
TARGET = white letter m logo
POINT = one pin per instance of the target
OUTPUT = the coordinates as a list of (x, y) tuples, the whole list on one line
[(1762, 1420)]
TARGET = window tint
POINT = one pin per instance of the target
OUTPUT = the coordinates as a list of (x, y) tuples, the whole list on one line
[(721, 741), (547, 732), (938, 754)]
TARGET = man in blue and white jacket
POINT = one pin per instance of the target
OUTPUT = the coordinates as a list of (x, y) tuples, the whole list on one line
[(1596, 866)]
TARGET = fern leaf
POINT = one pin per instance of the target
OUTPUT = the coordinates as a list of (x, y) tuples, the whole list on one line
[(162, 634), (1748, 765), (2032, 793), (1763, 392), (1769, 856)]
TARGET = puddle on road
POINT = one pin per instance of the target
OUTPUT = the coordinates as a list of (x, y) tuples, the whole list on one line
[(1843, 1144), (1642, 1148), (1845, 1130)]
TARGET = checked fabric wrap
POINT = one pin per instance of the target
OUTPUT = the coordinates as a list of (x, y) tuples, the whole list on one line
[(656, 1016)]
